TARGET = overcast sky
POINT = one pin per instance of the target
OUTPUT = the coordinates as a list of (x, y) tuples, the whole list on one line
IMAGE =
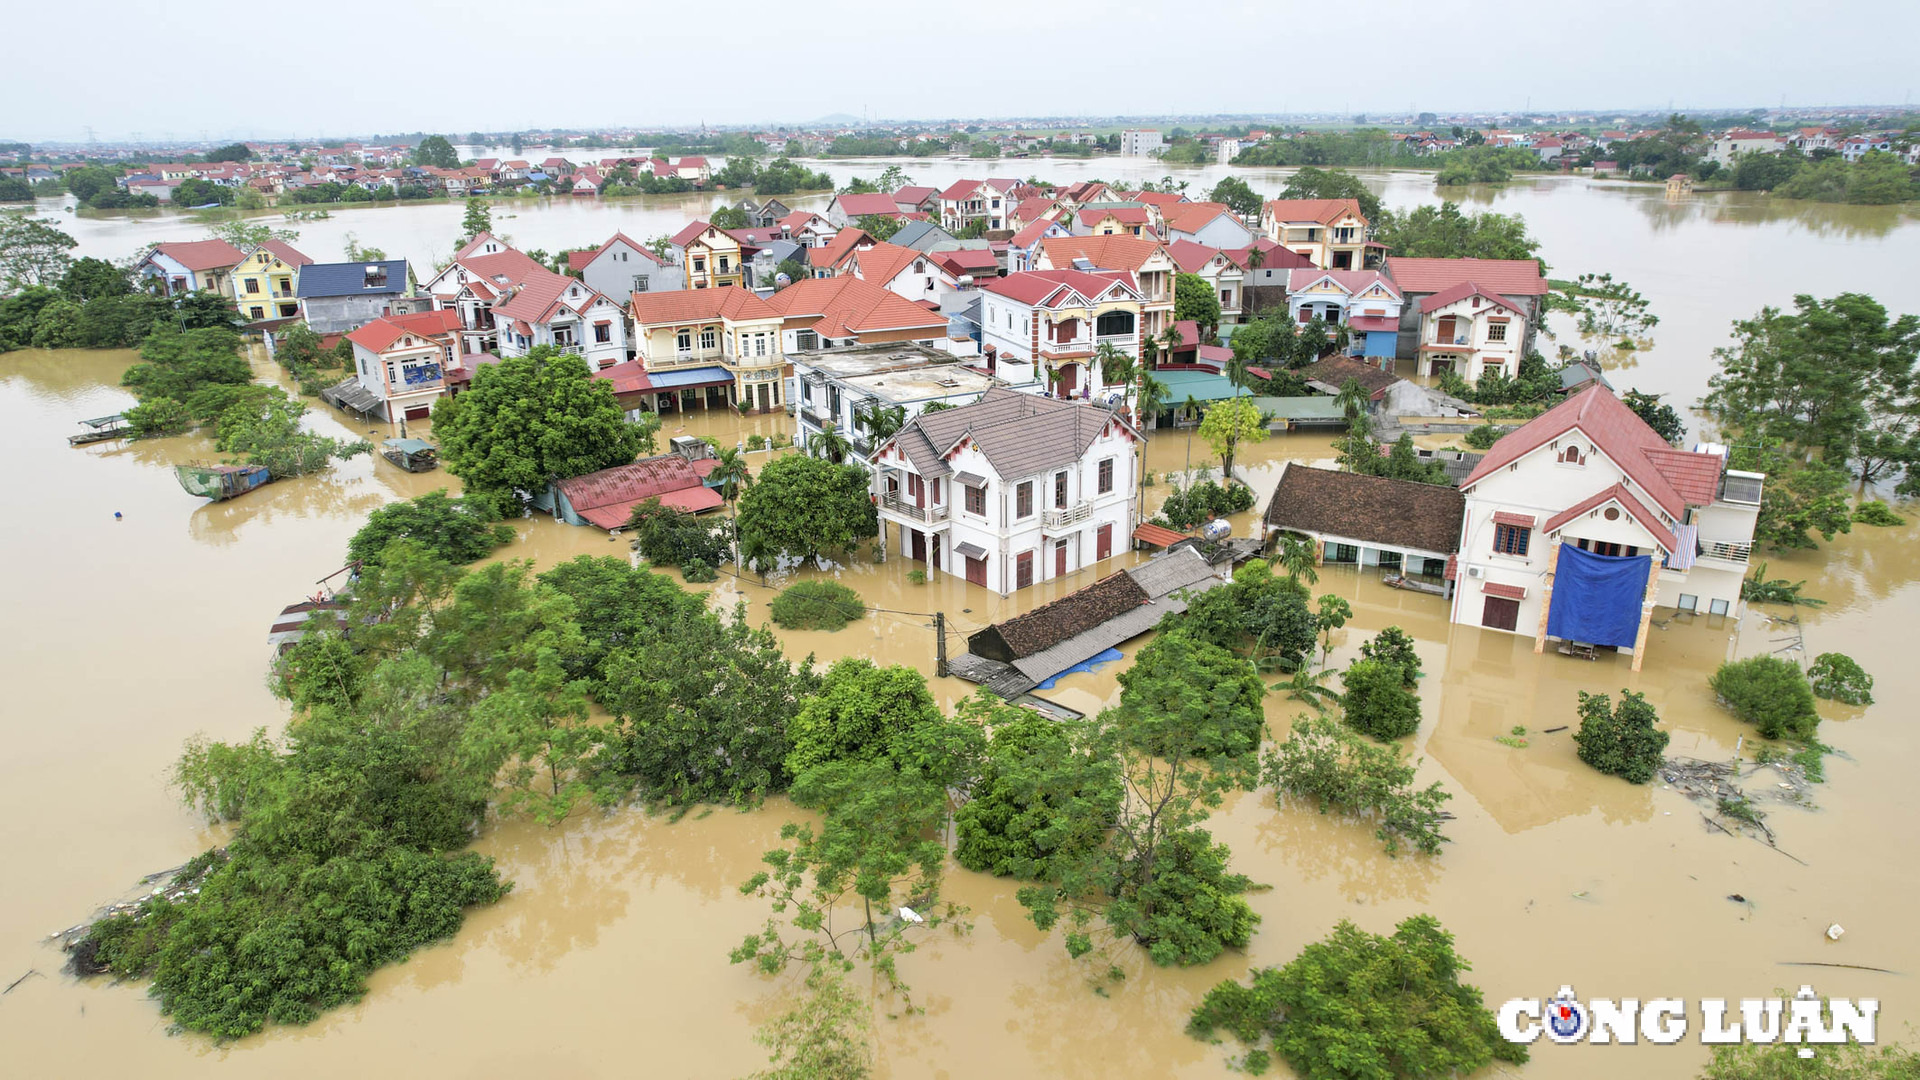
[(438, 65)]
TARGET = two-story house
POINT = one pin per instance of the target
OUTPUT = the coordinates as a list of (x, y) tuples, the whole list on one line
[(1363, 301), (1113, 220), (710, 347), (967, 201), (1331, 232), (623, 266), (827, 313), (1582, 521), (913, 275), (483, 269), (545, 308), (263, 282), (1215, 267), (402, 361), (1152, 268), (1516, 281), (336, 297), (190, 266), (834, 389), (1212, 224), (1472, 332), (1042, 329), (710, 257), (847, 208), (1009, 491), (807, 229)]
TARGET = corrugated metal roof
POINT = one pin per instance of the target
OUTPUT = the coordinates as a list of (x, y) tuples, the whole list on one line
[(350, 279), (690, 377)]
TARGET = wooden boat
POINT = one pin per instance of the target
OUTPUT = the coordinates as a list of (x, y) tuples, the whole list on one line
[(1401, 581), (101, 428), (413, 455), (327, 607), (221, 482)]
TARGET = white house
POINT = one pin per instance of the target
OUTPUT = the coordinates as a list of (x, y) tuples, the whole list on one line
[(1472, 332), (1209, 223), (1729, 145), (1042, 329), (545, 308), (622, 266), (1224, 276), (1009, 491), (481, 271), (1141, 143), (835, 388), (1578, 524), (402, 362)]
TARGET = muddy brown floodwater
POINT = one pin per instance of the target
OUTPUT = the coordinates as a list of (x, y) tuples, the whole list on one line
[(122, 638)]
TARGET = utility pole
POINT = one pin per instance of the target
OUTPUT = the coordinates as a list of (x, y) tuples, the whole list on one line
[(940, 644)]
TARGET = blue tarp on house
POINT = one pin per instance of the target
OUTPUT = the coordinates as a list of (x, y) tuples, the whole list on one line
[(690, 377), (1380, 343), (1596, 598)]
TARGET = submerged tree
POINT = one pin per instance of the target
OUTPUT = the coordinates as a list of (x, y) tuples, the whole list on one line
[(1620, 740)]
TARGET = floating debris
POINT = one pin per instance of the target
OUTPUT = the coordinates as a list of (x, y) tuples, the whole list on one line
[(1834, 932)]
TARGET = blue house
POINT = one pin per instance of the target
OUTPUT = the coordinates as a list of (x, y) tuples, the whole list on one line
[(338, 297), (1363, 301)]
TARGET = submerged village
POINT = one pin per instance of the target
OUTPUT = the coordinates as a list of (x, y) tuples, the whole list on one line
[(1060, 625)]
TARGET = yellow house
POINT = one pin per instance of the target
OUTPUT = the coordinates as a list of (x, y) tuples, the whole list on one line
[(711, 347), (262, 282), (1331, 232), (712, 258)]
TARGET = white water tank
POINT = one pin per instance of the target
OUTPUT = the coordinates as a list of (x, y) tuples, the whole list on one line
[(1217, 529)]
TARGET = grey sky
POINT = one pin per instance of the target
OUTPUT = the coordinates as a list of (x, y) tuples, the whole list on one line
[(436, 65)]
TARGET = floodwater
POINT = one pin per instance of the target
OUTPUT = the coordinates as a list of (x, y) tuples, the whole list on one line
[(123, 638)]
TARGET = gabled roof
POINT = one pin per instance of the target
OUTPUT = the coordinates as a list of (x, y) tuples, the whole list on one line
[(1352, 282), (607, 497), (1075, 613), (1321, 211), (350, 279), (1056, 288), (694, 305), (541, 295), (285, 252), (1020, 434), (1162, 199), (861, 204), (379, 335), (1191, 256), (1128, 253), (883, 262), (1507, 277), (1033, 232), (1192, 217), (834, 251), (621, 237), (201, 254), (1334, 371), (975, 261), (1033, 209), (799, 220), (1396, 513), (1273, 256), (1453, 294), (1125, 215), (915, 194), (686, 236), (1634, 508), (849, 306), (1615, 431), (960, 190)]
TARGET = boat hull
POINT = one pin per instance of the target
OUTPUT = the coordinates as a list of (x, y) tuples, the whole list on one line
[(221, 482)]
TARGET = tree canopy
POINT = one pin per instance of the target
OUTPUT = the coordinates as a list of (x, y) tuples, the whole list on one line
[(452, 529), (436, 151), (1445, 232), (803, 507), (1312, 182)]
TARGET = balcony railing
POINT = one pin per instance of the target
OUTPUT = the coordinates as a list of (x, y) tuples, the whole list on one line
[(1072, 515), (569, 348), (893, 505), (693, 358), (1727, 551)]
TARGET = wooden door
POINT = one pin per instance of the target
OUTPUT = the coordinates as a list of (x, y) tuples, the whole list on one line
[(1103, 545), (919, 545), (1067, 377), (1060, 558), (1023, 570), (1449, 327), (976, 571), (1500, 613)]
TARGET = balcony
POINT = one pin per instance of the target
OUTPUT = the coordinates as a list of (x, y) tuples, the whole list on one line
[(691, 358), (892, 504), (1066, 518), (1729, 552), (569, 348)]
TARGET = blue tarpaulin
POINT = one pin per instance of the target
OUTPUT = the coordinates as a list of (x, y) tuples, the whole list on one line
[(1094, 663), (1596, 598)]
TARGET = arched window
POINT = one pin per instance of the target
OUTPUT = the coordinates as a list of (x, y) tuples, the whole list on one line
[(1572, 456)]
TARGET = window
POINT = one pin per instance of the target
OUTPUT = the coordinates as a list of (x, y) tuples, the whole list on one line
[(1496, 331), (1114, 324), (253, 285), (806, 340), (699, 266), (977, 501), (1511, 539), (683, 341), (723, 264), (1688, 602), (1106, 476), (1060, 491), (1226, 297), (1717, 607), (709, 338), (1571, 456), (1023, 500), (255, 313), (1023, 570), (639, 283), (602, 333)]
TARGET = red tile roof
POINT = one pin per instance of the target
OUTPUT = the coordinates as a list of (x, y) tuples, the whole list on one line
[(1191, 256), (1353, 281), (202, 254), (914, 194), (836, 250), (975, 261), (1695, 476), (1373, 323), (627, 377), (541, 293), (861, 204), (1453, 294), (1192, 217), (1031, 210), (1040, 287), (1162, 199), (883, 262), (379, 335), (1028, 235), (1323, 211), (1105, 252), (285, 252), (848, 306), (1614, 429), (607, 497), (578, 260), (694, 305), (1125, 215), (685, 236), (960, 190), (1507, 277), (1634, 508)]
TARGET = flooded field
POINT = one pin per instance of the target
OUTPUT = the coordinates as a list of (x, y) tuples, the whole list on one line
[(122, 638)]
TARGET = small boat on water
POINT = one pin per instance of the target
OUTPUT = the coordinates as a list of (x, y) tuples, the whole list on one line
[(100, 429), (326, 608), (1401, 581), (413, 455), (220, 482)]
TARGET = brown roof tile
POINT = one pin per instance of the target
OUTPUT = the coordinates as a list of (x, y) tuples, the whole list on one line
[(1050, 624), (1397, 513)]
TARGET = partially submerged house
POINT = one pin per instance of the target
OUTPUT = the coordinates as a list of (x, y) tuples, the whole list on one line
[(1368, 520), (1013, 657), (606, 498), (336, 297)]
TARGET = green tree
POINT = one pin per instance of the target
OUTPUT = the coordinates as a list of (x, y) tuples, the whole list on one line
[(1239, 197), (1035, 768), (1770, 693), (728, 217), (1377, 700), (1332, 614), (452, 529), (1332, 765), (816, 605), (1661, 417), (668, 536), (1359, 1006), (436, 151), (1839, 677), (33, 251), (268, 432), (1194, 299), (1620, 741), (616, 605), (879, 226), (536, 724), (1394, 646), (864, 712), (229, 152), (246, 235), (1444, 232), (1311, 182), (14, 189), (1782, 1060), (478, 219), (803, 507), (1229, 423), (824, 1037), (702, 707), (1299, 557), (194, 191), (794, 269), (530, 420), (1188, 695), (92, 279)]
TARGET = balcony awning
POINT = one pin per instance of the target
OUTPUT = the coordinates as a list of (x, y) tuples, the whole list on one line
[(967, 479), (1687, 548), (690, 378), (971, 551)]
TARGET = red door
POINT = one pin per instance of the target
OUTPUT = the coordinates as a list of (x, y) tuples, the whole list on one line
[(919, 545), (976, 571), (1060, 559), (1023, 570), (1067, 379), (1103, 546)]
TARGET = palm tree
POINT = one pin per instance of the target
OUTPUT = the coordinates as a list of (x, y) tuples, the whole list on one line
[(1310, 687), (1237, 373), (1170, 340), (829, 444), (1116, 367), (730, 475), (1295, 555), (880, 421), (1256, 258), (1353, 400)]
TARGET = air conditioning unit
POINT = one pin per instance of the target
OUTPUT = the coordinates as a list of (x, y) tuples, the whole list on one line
[(1476, 571)]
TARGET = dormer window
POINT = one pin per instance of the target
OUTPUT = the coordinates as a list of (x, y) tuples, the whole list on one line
[(1572, 456)]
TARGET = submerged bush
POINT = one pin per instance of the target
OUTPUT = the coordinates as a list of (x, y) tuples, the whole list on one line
[(816, 605), (1875, 512), (1620, 741), (1837, 677), (1331, 764), (1377, 700), (1769, 693)]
